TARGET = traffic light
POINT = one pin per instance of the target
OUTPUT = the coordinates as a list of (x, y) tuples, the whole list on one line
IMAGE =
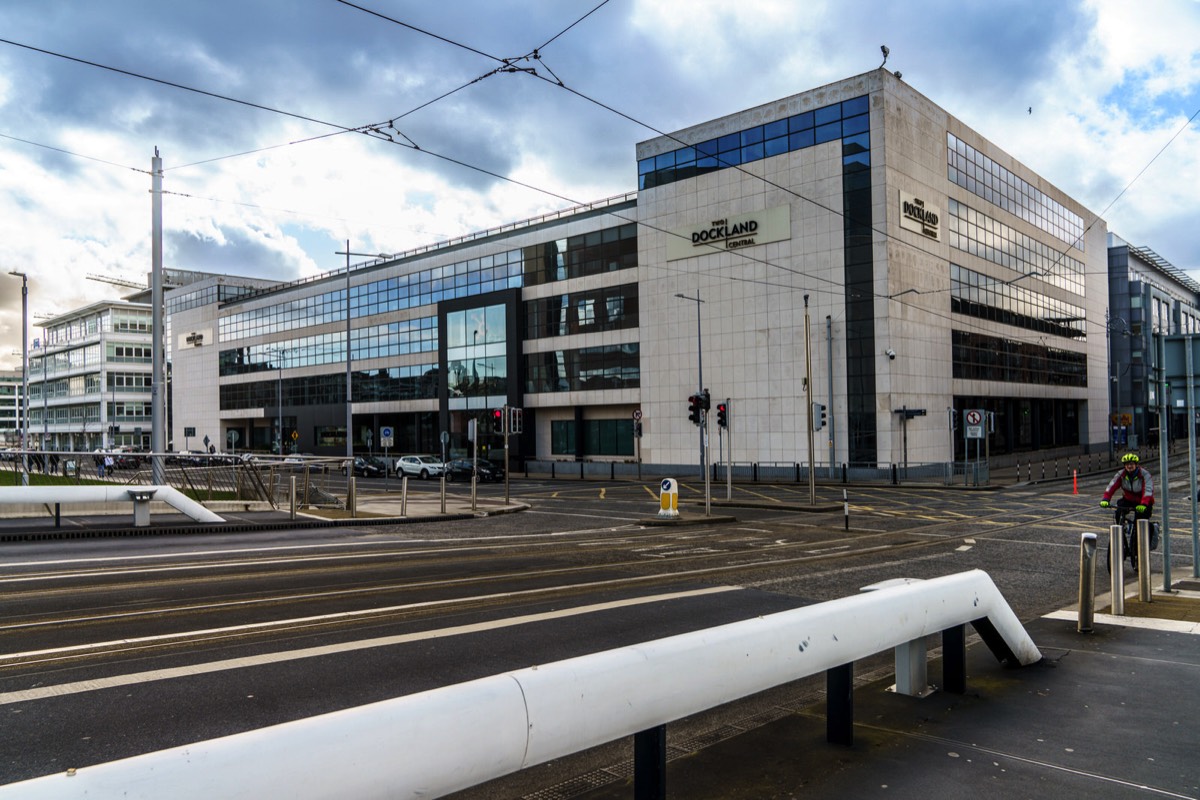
[(818, 413), (705, 400), (498, 420), (694, 408), (637, 430), (722, 415), (516, 422)]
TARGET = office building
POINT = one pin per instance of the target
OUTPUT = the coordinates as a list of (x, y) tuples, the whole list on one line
[(853, 246)]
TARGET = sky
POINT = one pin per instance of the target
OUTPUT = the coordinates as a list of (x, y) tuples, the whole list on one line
[(288, 128)]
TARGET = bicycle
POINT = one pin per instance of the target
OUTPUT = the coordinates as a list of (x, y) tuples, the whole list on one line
[(1126, 519)]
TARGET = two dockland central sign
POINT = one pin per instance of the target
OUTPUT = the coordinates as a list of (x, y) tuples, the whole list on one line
[(731, 233)]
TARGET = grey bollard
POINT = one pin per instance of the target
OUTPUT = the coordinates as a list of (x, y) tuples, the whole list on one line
[(1087, 582)]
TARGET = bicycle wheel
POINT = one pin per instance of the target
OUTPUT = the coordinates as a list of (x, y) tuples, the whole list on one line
[(1131, 548)]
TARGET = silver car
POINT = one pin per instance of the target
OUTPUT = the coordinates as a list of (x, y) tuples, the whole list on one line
[(423, 467)]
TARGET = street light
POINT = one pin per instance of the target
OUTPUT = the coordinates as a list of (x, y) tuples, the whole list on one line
[(24, 374), (349, 371), (700, 392), (279, 355)]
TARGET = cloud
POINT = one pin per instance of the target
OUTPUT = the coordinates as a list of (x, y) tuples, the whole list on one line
[(1109, 82)]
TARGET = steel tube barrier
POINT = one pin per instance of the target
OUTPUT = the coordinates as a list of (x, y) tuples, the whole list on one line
[(440, 741), (139, 494)]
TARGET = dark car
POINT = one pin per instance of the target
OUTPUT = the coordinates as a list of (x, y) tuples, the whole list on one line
[(461, 469), (364, 468)]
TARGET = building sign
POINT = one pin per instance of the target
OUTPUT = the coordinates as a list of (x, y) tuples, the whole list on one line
[(918, 215), (194, 338), (731, 233)]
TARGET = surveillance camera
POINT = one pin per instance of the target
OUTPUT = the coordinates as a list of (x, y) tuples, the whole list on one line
[(891, 354)]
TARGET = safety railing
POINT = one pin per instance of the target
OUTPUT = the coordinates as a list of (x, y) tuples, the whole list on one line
[(441, 741)]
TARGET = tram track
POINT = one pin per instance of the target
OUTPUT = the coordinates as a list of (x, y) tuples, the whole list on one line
[(718, 560)]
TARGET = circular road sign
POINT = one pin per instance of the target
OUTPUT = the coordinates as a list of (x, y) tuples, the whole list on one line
[(974, 417), (637, 414)]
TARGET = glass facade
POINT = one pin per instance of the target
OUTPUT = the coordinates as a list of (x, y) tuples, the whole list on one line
[(593, 253), (980, 235), (980, 175), (859, 275), (588, 368), (984, 297), (375, 341), (609, 309), (601, 437), (829, 123), (476, 353), (990, 358)]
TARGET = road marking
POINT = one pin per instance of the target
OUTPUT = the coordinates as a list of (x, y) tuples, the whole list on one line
[(1169, 625), (113, 681)]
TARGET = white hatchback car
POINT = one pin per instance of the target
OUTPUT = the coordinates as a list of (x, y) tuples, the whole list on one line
[(422, 467)]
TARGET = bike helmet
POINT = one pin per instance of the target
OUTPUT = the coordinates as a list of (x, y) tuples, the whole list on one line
[(1130, 458)]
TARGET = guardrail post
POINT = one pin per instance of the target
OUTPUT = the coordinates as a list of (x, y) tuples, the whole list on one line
[(954, 659), (1087, 582), (1116, 563), (839, 704), (650, 764)]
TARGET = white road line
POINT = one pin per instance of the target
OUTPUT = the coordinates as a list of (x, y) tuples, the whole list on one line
[(61, 690), (1168, 625)]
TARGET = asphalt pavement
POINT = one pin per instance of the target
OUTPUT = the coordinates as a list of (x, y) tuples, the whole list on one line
[(1112, 713)]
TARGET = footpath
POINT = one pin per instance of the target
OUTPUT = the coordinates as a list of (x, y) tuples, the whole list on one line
[(1114, 713)]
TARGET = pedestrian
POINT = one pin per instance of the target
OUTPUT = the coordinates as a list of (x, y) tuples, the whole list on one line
[(108, 465)]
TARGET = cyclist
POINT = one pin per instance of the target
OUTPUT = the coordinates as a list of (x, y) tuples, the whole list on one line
[(1137, 489)]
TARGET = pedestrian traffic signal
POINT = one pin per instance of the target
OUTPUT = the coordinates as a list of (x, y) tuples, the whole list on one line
[(637, 429), (694, 408), (722, 415)]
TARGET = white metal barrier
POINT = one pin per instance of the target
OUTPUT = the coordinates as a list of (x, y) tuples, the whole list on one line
[(440, 741), (140, 496)]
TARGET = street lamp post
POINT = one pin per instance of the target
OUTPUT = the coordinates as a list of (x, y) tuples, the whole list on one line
[(703, 411), (279, 354), (24, 374), (349, 370)]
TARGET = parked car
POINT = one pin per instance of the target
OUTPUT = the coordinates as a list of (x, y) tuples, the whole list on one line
[(300, 462), (126, 459), (461, 469), (364, 468), (423, 467)]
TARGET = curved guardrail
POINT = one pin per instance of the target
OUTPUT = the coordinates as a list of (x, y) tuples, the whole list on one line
[(440, 741)]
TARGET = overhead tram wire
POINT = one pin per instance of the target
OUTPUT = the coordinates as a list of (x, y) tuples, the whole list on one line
[(507, 64), (76, 155)]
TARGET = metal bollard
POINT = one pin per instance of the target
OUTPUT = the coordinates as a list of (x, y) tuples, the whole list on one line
[(352, 497), (292, 496), (1087, 582), (1143, 550), (404, 496), (444, 490), (1116, 559)]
